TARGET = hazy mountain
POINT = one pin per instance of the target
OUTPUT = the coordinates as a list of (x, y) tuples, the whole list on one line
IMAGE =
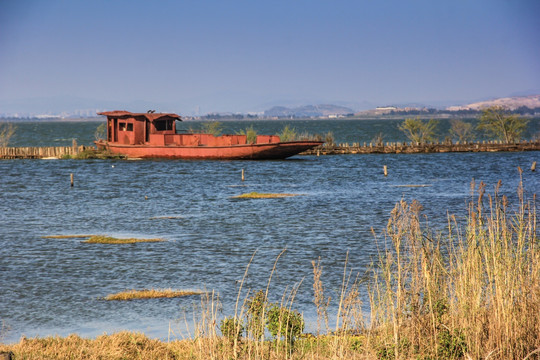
[(510, 103)]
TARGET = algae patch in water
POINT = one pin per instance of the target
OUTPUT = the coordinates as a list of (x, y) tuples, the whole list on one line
[(151, 294), (102, 239), (99, 239), (256, 195), (67, 236)]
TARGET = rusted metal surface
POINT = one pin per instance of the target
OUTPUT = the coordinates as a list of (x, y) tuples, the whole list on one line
[(148, 115), (153, 135), (244, 151)]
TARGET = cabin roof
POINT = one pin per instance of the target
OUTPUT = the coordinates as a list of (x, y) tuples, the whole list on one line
[(149, 116)]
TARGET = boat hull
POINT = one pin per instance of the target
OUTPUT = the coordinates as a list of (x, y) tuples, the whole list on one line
[(268, 151)]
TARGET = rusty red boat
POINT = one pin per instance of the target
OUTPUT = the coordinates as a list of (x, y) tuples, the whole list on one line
[(153, 135)]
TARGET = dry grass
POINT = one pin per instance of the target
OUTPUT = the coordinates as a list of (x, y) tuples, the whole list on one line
[(100, 239), (256, 195), (151, 294), (474, 293), (130, 345), (123, 345)]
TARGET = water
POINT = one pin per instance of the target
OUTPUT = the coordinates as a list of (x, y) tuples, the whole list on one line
[(62, 133), (55, 286)]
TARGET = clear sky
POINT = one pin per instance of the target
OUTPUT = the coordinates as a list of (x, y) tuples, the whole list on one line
[(248, 55)]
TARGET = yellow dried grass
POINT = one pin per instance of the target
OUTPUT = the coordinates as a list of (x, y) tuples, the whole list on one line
[(256, 195), (66, 236), (100, 239), (151, 294)]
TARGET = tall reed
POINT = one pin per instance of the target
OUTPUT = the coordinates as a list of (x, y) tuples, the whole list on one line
[(472, 294)]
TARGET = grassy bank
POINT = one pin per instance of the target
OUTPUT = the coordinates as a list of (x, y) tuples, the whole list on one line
[(472, 292), (131, 345)]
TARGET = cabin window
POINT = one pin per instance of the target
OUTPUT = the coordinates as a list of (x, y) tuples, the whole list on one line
[(129, 127), (122, 126), (163, 125)]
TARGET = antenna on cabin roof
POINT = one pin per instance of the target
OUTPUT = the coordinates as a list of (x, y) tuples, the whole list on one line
[(151, 111)]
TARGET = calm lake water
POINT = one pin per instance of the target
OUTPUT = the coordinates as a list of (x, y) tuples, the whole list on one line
[(55, 286)]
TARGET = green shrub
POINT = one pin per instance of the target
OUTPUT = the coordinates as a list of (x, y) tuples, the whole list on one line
[(251, 134), (256, 306), (288, 134), (286, 323), (329, 140), (231, 328), (101, 132), (419, 131), (498, 122), (214, 128), (451, 345)]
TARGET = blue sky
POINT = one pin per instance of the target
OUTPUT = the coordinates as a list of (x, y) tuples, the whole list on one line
[(188, 56)]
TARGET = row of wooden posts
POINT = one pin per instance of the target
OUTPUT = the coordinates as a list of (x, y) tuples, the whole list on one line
[(410, 148), (57, 152)]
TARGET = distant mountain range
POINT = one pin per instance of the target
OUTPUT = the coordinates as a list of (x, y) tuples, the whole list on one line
[(45, 108), (308, 111), (510, 103)]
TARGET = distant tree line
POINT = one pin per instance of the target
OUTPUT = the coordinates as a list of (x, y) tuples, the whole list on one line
[(216, 117), (523, 110)]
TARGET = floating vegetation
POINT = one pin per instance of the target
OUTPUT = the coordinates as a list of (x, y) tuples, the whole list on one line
[(256, 195), (412, 185), (92, 153), (67, 236), (100, 239), (151, 294)]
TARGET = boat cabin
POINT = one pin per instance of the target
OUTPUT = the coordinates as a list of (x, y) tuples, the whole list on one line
[(124, 127), (159, 129)]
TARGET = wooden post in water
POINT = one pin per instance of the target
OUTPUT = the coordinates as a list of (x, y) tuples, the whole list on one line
[(533, 166), (71, 178), (385, 170), (243, 175)]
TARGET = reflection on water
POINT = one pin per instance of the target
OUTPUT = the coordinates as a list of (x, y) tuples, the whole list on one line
[(54, 286)]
